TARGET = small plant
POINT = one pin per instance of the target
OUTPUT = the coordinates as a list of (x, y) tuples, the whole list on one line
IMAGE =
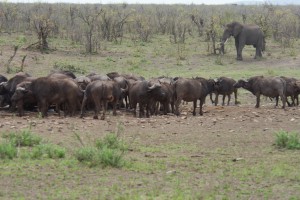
[(69, 67), (107, 152), (48, 151), (23, 138), (8, 150), (219, 61), (287, 140)]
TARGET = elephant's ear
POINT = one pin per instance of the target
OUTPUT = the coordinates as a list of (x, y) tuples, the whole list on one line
[(237, 29)]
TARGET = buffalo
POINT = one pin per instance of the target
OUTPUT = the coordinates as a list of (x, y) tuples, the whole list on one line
[(224, 86), (49, 91), (192, 90), (144, 93), (100, 93), (267, 86)]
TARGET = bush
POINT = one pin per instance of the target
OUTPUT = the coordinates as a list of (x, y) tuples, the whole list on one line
[(69, 67), (287, 140), (48, 151), (110, 141), (107, 152), (7, 150), (24, 138)]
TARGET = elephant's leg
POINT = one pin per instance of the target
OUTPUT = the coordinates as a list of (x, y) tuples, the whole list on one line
[(240, 43), (258, 52)]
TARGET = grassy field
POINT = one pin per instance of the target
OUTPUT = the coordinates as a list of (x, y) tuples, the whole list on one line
[(229, 153)]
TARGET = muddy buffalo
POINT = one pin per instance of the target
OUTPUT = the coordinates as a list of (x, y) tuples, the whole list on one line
[(267, 86)]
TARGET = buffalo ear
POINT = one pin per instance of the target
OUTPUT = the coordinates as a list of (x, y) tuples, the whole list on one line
[(237, 28)]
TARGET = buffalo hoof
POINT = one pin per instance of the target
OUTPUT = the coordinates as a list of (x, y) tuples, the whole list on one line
[(102, 117), (95, 117)]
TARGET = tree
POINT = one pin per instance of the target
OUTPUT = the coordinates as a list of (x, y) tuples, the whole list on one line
[(89, 16), (43, 25)]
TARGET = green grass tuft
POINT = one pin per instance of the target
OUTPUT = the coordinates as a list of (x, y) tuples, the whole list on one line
[(48, 151), (7, 150), (287, 140), (107, 152), (23, 138)]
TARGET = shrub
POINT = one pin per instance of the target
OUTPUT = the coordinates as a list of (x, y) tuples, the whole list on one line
[(48, 151), (110, 141), (69, 67), (23, 138), (7, 150), (107, 152), (111, 157), (287, 140)]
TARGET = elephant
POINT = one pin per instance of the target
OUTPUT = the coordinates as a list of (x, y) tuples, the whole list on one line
[(244, 35)]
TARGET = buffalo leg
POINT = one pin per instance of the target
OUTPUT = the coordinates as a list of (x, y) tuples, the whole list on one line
[(216, 99), (223, 100), (97, 108), (229, 98), (201, 105), (104, 107), (195, 105), (283, 99), (211, 99), (177, 103), (83, 106), (235, 97), (257, 101)]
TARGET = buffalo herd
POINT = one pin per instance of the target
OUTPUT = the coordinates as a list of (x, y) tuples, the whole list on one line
[(63, 91)]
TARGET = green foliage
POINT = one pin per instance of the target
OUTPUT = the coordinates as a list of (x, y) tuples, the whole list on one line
[(107, 152), (23, 138), (7, 150), (69, 67), (287, 140), (48, 151), (111, 141)]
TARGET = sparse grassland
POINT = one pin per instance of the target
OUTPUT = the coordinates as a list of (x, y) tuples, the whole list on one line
[(229, 153)]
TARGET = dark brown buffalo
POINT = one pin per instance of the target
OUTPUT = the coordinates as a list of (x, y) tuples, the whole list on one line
[(166, 99), (191, 90), (3, 102), (112, 75), (23, 98), (100, 93), (65, 72), (144, 93), (49, 91), (290, 90), (224, 86), (98, 77), (3, 79), (8, 88), (267, 86), (123, 84), (82, 82)]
